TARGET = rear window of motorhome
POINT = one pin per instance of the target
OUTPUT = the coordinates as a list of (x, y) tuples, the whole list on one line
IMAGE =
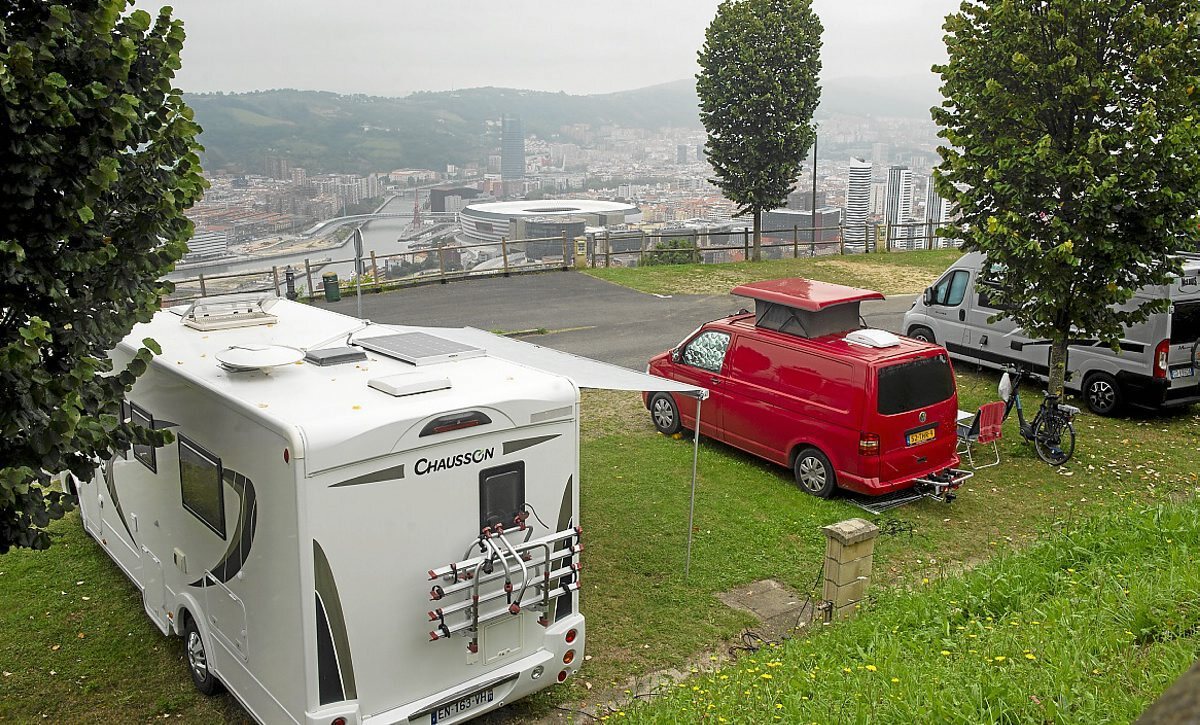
[(1185, 322), (501, 494), (200, 482), (145, 454), (914, 384)]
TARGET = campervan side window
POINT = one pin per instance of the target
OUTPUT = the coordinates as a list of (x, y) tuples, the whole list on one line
[(1185, 322), (125, 418), (950, 290), (200, 481), (145, 454), (501, 494)]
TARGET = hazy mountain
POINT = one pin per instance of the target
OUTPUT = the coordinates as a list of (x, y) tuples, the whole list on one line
[(324, 131)]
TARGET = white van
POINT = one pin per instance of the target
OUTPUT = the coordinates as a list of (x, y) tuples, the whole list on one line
[(1156, 366)]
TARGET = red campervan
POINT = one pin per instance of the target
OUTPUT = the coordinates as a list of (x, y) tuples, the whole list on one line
[(800, 383)]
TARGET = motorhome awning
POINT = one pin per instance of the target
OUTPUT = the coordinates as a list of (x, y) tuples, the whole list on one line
[(585, 372)]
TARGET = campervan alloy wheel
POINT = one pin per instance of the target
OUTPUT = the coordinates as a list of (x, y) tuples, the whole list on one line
[(203, 678), (1102, 394), (665, 414), (924, 334), (814, 473)]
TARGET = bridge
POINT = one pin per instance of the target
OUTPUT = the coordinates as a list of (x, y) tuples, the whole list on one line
[(356, 219)]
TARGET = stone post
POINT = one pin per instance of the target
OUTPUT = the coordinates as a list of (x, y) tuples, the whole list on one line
[(849, 551)]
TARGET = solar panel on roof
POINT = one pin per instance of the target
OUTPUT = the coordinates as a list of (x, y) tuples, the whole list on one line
[(419, 348)]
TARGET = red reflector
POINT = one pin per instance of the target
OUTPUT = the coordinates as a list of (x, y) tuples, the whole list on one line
[(571, 635), (338, 721), (562, 676), (287, 457), (457, 426), (569, 657)]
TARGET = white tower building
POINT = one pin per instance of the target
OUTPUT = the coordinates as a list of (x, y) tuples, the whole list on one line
[(858, 202)]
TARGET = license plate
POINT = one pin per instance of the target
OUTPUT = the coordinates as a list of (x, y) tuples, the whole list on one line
[(1181, 373), (921, 436), (454, 709)]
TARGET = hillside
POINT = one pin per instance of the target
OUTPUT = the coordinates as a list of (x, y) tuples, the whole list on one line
[(325, 131)]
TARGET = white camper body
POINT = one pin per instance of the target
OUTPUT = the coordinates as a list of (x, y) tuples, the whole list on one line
[(321, 526)]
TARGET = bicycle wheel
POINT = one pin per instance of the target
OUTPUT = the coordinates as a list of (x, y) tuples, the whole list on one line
[(1054, 438)]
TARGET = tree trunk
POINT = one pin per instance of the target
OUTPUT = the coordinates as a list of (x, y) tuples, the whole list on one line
[(1058, 364), (757, 235)]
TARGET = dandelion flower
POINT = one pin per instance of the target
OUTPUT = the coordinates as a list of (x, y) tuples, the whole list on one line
[(1000, 658), (1029, 656), (871, 668), (945, 653)]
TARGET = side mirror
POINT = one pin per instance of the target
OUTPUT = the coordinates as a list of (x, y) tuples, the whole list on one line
[(676, 355), (927, 298)]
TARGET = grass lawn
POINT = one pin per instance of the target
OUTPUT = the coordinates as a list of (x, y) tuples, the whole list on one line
[(751, 523), (890, 273)]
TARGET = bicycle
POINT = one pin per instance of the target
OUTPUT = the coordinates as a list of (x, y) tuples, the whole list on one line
[(1051, 430)]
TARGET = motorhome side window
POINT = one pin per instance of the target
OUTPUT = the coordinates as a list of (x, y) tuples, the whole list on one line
[(125, 418), (501, 494), (707, 351), (143, 453), (950, 290), (200, 483)]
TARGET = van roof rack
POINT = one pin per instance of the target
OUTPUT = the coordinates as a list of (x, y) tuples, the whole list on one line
[(222, 312)]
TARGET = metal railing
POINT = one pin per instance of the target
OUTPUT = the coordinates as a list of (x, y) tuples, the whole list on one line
[(443, 264)]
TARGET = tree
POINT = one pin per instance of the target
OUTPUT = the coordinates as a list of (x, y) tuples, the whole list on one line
[(758, 90), (98, 164), (1073, 155)]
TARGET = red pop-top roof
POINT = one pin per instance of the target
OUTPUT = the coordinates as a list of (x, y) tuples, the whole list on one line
[(805, 294)]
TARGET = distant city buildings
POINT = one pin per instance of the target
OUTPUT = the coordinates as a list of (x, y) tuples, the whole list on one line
[(681, 154), (858, 200), (512, 149), (898, 208)]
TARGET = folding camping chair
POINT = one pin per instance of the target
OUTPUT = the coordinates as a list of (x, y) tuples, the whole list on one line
[(983, 428)]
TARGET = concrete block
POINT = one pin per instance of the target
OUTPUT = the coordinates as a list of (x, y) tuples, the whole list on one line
[(835, 549), (846, 593), (845, 572), (851, 531)]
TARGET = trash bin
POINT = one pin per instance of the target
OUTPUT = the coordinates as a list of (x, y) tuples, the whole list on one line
[(333, 293)]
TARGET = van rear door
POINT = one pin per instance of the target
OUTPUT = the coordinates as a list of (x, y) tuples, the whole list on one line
[(916, 404), (1185, 339)]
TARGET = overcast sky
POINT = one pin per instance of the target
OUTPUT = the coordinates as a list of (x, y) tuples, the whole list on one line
[(395, 47)]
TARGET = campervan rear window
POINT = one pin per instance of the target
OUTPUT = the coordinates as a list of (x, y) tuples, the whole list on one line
[(200, 480), (501, 494), (914, 384), (1185, 322)]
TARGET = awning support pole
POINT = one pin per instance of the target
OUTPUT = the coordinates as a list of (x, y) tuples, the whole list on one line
[(687, 562)]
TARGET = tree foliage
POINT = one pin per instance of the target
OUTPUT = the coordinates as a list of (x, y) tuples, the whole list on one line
[(679, 250), (1073, 154), (758, 89), (99, 162)]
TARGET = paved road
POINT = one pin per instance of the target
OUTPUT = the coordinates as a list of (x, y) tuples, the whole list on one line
[(584, 315)]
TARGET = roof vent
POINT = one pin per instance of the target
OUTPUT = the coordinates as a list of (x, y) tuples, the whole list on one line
[(240, 358), (872, 338), (223, 312)]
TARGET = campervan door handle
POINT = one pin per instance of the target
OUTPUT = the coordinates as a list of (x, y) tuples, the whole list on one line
[(962, 315), (714, 380)]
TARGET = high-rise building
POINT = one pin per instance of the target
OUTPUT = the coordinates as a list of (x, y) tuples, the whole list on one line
[(803, 200), (700, 152), (879, 153), (681, 154), (512, 149), (937, 213), (858, 200), (898, 209)]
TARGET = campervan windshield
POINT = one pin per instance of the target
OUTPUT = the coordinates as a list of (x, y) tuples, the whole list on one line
[(1185, 322), (914, 384)]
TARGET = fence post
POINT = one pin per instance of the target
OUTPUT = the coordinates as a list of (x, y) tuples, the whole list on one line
[(312, 291), (696, 247), (275, 278), (607, 250), (203, 290), (746, 244), (795, 241), (375, 271), (504, 252), (442, 262), (642, 250), (564, 243)]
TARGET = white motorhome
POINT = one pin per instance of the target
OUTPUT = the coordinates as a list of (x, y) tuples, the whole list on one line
[(355, 523), (1155, 367)]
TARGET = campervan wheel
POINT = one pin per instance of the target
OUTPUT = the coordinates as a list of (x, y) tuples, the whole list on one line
[(814, 473), (665, 414), (197, 657)]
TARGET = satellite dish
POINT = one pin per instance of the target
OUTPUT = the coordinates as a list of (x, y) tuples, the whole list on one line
[(258, 357)]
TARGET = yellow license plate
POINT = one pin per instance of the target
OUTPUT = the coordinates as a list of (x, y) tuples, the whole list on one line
[(922, 436)]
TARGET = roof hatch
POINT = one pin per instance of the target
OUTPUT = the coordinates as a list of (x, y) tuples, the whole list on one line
[(222, 312), (805, 307)]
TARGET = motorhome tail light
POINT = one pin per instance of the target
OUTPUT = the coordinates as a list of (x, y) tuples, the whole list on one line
[(562, 676), (569, 657), (286, 456), (868, 444), (1160, 358), (571, 635), (454, 421), (338, 721)]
